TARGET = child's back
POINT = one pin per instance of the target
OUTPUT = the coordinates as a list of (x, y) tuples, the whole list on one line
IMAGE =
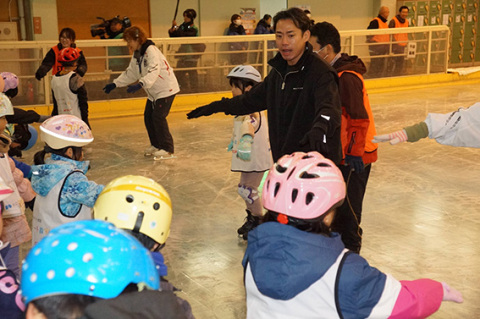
[(68, 89), (296, 268), (64, 193)]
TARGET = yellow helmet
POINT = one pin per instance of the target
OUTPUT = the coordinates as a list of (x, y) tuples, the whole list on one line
[(138, 204)]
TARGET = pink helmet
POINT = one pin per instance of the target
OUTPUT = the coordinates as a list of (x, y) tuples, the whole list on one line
[(65, 130), (303, 185), (10, 80)]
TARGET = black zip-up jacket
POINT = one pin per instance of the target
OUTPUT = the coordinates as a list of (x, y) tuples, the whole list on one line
[(297, 98)]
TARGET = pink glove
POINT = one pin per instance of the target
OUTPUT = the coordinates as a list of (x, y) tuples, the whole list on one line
[(451, 294), (393, 138)]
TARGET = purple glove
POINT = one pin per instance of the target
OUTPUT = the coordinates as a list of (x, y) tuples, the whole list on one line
[(134, 88)]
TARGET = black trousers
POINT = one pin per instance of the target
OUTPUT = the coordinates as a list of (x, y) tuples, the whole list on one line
[(349, 215), (155, 117)]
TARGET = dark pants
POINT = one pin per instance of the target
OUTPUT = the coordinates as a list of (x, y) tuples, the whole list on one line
[(378, 65), (155, 117), (397, 62), (349, 215), (188, 79)]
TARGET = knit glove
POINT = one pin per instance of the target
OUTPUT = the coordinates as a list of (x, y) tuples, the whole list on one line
[(451, 294), (316, 140), (109, 87), (134, 88), (230, 146), (393, 138), (245, 147), (355, 162)]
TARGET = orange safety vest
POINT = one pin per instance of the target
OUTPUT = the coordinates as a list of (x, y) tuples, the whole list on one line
[(381, 37), (57, 67), (370, 154), (400, 38)]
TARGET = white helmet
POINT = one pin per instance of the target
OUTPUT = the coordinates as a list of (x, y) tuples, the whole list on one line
[(65, 130), (246, 72), (6, 107)]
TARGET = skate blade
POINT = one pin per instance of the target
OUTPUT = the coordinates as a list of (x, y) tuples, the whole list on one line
[(160, 158)]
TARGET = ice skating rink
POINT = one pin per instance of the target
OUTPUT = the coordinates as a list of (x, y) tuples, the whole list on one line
[(421, 215)]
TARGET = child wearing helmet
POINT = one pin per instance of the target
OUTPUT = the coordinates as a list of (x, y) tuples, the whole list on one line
[(250, 148), (68, 88), (295, 267), (88, 266), (64, 192), (11, 305), (15, 225), (143, 208)]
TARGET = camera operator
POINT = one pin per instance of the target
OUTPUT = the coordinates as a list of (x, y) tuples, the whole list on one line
[(66, 39), (116, 29)]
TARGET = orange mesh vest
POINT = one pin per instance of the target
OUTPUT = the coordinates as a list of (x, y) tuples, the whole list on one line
[(402, 38), (381, 37), (57, 67)]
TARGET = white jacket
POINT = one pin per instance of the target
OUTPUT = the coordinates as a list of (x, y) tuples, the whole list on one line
[(458, 128), (153, 71)]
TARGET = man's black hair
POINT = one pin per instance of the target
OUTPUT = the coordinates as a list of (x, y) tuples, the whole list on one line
[(403, 7), (326, 34), (298, 17)]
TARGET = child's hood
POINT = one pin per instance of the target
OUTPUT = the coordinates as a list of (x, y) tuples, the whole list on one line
[(46, 176), (285, 261)]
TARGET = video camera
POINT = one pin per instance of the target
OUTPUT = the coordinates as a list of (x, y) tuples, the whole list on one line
[(101, 28)]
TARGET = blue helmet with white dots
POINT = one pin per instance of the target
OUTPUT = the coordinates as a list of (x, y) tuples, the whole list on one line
[(88, 257)]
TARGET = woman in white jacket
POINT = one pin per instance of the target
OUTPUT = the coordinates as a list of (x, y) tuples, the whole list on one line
[(153, 72)]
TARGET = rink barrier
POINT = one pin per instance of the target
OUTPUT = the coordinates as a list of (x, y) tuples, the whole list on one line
[(187, 102)]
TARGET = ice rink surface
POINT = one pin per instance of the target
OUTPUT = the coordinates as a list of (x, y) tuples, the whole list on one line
[(421, 216)]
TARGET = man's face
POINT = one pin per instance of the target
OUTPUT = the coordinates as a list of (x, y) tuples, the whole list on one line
[(115, 27), (404, 13), (385, 12), (290, 40), (317, 48)]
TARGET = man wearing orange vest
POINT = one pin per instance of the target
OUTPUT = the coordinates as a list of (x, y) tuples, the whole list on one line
[(378, 65), (400, 40), (357, 129)]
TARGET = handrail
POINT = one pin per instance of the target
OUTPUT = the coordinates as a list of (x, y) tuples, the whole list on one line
[(214, 63)]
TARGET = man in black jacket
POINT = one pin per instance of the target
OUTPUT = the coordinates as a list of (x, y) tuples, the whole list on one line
[(300, 94)]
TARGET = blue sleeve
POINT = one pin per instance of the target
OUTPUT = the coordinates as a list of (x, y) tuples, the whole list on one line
[(360, 287), (25, 168), (78, 189)]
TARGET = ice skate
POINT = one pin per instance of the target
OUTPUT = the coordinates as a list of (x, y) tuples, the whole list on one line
[(162, 155), (150, 150), (250, 223)]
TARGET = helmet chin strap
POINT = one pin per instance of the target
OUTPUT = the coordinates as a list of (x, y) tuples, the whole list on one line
[(138, 222)]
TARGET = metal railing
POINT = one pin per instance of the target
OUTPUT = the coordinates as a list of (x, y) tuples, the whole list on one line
[(201, 63)]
